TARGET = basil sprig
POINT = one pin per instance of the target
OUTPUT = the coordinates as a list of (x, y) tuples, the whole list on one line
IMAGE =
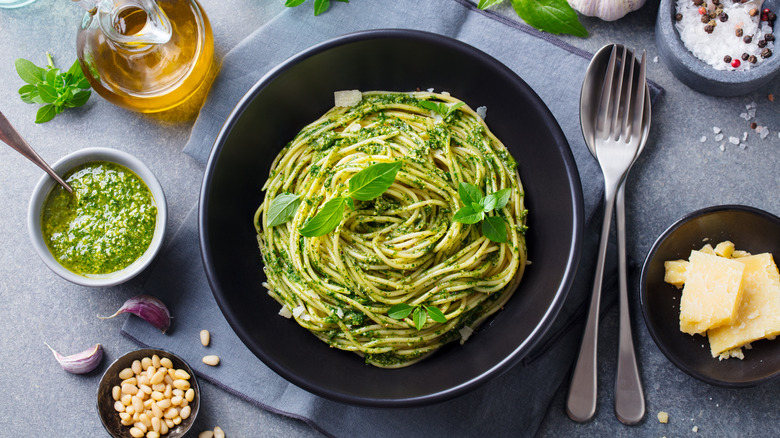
[(320, 6), (368, 184), (52, 88), (553, 16), (283, 208), (475, 206), (419, 314), (440, 107)]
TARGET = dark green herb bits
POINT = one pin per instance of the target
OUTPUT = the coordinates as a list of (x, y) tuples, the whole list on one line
[(105, 225)]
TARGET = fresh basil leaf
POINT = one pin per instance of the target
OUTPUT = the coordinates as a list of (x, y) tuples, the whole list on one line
[(29, 72), (494, 228), (468, 215), (400, 311), (450, 108), (436, 314), (321, 6), (427, 104), (469, 193), (502, 197), (45, 113), (553, 16), (75, 70), (326, 220), (51, 76), (27, 91), (351, 204), (488, 203), (484, 4), (79, 98), (293, 3), (47, 92), (477, 206), (419, 317), (374, 180), (282, 208)]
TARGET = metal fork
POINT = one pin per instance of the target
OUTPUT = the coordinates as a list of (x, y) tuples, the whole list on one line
[(618, 136)]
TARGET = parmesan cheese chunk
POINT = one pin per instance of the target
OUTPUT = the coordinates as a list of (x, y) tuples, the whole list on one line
[(675, 272), (759, 313), (347, 98), (712, 292)]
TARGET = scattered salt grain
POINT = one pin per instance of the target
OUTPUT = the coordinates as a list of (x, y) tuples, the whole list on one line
[(430, 90), (744, 136), (722, 146), (716, 130), (655, 59), (733, 140), (695, 429), (744, 116), (703, 139), (719, 137), (482, 112)]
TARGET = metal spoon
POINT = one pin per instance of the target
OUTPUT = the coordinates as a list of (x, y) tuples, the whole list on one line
[(12, 138), (629, 395)]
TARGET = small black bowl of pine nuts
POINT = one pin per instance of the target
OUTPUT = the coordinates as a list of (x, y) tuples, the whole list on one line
[(148, 393)]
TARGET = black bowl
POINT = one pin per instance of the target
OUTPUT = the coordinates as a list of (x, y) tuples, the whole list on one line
[(298, 92), (750, 229)]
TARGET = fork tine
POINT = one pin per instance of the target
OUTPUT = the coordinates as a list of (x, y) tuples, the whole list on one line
[(614, 130), (602, 115), (629, 110), (639, 101)]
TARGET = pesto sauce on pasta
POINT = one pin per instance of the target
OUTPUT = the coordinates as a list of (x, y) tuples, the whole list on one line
[(402, 247)]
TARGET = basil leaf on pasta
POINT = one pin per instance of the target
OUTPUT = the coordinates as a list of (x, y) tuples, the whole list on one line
[(326, 220), (400, 311), (419, 317), (494, 228), (436, 314), (468, 215), (282, 209), (469, 193), (502, 197), (374, 180)]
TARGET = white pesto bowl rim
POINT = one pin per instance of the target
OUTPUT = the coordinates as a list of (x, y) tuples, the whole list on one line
[(46, 184)]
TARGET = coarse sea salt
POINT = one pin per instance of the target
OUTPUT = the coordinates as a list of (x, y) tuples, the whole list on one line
[(714, 47)]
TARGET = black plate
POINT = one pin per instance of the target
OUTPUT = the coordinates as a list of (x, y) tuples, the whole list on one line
[(750, 229), (298, 92)]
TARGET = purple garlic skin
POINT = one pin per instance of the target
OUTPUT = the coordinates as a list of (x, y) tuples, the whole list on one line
[(80, 363), (148, 308)]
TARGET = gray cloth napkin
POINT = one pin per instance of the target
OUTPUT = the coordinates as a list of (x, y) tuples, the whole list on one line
[(511, 404)]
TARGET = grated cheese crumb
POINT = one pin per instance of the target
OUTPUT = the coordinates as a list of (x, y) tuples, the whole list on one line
[(285, 312), (663, 417), (465, 333), (347, 97)]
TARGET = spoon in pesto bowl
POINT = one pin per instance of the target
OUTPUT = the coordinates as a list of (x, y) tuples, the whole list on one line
[(11, 137)]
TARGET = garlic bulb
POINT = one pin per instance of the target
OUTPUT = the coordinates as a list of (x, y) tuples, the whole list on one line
[(607, 10)]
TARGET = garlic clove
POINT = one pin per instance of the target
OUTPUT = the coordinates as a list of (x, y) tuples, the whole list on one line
[(80, 363), (148, 308), (607, 10)]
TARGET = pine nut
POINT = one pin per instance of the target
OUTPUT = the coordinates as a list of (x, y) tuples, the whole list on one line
[(218, 433), (146, 362), (156, 424), (127, 421), (177, 420), (152, 434), (205, 337), (116, 392), (171, 413), (143, 380), (169, 423), (166, 363), (176, 400), (206, 434), (156, 411), (156, 361), (189, 395), (178, 392), (138, 404), (212, 360), (164, 404), (131, 411), (181, 384), (158, 377), (119, 407), (168, 380), (126, 374), (157, 395), (126, 399), (136, 367), (160, 387), (185, 412), (163, 428), (148, 404), (181, 374), (140, 426), (150, 370), (136, 432), (145, 389), (168, 391)]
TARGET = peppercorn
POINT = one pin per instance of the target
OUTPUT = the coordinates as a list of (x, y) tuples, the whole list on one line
[(705, 19), (716, 2), (678, 17), (753, 12), (724, 17), (771, 16), (739, 32), (747, 39), (761, 44), (766, 53), (709, 28), (769, 37), (735, 63), (753, 125), (727, 59), (752, 59), (745, 56), (698, 2)]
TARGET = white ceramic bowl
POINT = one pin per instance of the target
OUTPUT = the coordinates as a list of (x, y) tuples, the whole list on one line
[(46, 184)]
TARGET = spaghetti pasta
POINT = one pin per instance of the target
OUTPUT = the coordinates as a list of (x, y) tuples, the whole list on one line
[(402, 247)]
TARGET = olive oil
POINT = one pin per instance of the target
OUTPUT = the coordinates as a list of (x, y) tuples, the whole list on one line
[(142, 76)]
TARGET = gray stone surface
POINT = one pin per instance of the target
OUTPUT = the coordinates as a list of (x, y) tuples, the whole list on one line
[(676, 174)]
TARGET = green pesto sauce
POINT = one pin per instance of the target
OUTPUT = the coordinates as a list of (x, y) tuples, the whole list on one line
[(105, 225)]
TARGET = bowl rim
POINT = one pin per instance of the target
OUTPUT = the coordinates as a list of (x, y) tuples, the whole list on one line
[(665, 19), (573, 253), (46, 184), (657, 338), (148, 352)]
